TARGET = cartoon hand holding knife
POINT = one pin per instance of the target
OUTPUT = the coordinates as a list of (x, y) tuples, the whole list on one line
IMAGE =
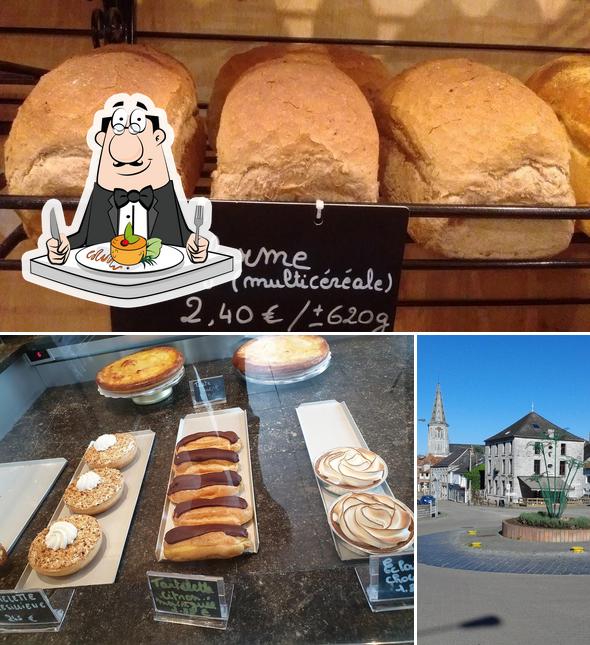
[(58, 247)]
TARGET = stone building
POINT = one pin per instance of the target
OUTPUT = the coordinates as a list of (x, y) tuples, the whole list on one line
[(447, 477), (511, 460), (425, 465)]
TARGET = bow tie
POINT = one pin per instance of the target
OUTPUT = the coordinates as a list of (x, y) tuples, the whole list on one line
[(145, 197)]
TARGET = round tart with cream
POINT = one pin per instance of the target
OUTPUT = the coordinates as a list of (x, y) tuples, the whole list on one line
[(280, 356), (95, 491), (370, 523), (141, 371), (66, 546), (111, 451), (343, 470)]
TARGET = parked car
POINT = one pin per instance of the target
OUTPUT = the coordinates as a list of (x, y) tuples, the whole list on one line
[(427, 499)]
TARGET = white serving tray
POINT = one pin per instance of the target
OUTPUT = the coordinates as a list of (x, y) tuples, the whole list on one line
[(28, 483), (223, 421), (305, 375), (115, 525), (327, 425)]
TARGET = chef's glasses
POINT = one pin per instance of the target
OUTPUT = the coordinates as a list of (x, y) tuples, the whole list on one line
[(137, 121)]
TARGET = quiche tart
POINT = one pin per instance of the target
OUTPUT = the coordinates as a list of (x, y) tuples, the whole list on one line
[(280, 355), (140, 371)]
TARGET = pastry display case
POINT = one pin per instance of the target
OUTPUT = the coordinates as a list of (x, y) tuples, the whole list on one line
[(538, 279), (242, 502)]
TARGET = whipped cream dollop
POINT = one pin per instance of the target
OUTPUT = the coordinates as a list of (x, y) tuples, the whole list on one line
[(354, 467), (61, 534), (104, 442), (88, 481), (373, 521)]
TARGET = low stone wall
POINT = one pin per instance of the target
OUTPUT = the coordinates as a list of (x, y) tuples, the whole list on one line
[(517, 531)]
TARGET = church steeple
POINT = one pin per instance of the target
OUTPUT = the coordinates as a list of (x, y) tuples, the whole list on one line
[(438, 428), (438, 411)]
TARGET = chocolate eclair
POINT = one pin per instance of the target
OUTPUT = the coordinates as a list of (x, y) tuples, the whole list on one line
[(220, 510), (214, 439), (206, 460), (205, 542), (220, 484)]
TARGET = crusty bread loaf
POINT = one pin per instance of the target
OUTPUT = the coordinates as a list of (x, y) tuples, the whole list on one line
[(46, 152), (296, 130), (565, 84), (457, 132), (368, 72)]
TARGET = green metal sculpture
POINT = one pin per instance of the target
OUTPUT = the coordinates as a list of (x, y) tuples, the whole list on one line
[(553, 492)]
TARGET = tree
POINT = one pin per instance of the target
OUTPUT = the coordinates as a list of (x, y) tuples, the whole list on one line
[(554, 494)]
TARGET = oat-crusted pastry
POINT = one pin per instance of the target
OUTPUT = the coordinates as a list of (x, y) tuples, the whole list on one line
[(368, 72), (296, 130), (565, 84), (95, 491), (205, 542), (141, 370), (46, 151), (66, 546), (212, 439), (220, 484), (280, 355), (217, 510), (457, 132), (111, 451)]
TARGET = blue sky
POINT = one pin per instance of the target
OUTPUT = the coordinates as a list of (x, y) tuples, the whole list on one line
[(488, 382)]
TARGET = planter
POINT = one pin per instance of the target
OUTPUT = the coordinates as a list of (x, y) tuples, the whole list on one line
[(516, 531)]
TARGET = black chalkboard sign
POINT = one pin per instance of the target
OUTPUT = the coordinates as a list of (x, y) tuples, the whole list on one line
[(208, 390), (298, 274), (19, 608), (195, 596), (396, 577)]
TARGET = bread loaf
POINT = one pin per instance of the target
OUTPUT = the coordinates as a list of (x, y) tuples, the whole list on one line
[(46, 151), (368, 72), (565, 84), (295, 130), (457, 132)]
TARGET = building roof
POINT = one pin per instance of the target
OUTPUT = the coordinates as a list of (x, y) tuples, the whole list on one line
[(532, 426), (438, 412), (429, 459), (554, 482), (460, 459)]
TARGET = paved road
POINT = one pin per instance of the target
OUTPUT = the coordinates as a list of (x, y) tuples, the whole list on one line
[(511, 609)]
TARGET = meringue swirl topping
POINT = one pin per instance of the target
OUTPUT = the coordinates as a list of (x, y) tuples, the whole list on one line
[(373, 522), (60, 535), (351, 467)]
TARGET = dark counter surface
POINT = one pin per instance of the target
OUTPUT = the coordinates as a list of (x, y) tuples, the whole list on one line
[(295, 589)]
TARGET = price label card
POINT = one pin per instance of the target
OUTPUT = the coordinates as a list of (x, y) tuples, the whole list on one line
[(208, 390), (19, 609), (188, 596), (339, 272), (394, 576)]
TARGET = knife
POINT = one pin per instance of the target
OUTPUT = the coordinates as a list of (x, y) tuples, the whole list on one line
[(53, 227)]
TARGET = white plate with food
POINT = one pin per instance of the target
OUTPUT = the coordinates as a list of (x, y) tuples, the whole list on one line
[(114, 524), (191, 497), (99, 258)]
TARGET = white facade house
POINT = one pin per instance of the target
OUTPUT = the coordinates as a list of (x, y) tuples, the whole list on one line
[(512, 460)]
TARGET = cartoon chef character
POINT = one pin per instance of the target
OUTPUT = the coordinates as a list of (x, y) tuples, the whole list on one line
[(132, 179)]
